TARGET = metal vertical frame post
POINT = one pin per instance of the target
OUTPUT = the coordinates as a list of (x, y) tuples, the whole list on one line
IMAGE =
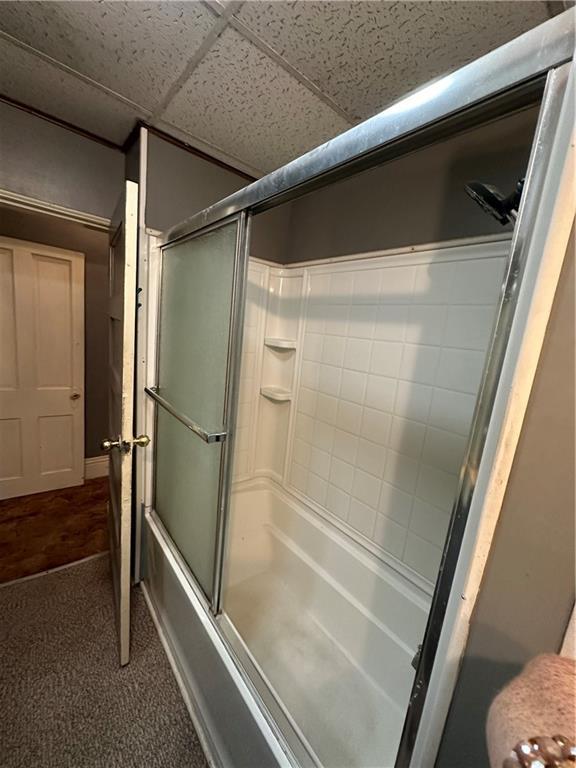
[(542, 147), (231, 398)]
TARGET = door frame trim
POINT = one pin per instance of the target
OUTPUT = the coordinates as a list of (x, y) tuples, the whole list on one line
[(23, 202), (145, 274)]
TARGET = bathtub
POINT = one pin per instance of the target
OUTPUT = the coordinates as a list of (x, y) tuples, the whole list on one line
[(331, 629)]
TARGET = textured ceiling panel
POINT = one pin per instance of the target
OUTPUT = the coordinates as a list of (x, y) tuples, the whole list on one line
[(137, 49), (241, 101), (33, 81), (365, 55)]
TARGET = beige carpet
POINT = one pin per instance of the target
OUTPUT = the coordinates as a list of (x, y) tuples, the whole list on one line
[(64, 701)]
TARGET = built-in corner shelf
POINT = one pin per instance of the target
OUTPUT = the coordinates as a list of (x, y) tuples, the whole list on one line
[(277, 394), (277, 343)]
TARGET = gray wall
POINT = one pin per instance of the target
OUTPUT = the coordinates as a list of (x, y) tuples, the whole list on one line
[(528, 588), (179, 183), (132, 159), (271, 232), (418, 198), (49, 163), (64, 234)]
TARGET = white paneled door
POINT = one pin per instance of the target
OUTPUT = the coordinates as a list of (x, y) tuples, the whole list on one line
[(41, 368)]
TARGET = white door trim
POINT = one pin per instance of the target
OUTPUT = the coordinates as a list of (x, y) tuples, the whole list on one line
[(15, 200)]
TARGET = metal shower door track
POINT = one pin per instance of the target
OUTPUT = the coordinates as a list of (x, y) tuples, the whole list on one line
[(518, 64)]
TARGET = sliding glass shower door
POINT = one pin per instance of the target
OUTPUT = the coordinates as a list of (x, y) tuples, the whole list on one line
[(200, 301)]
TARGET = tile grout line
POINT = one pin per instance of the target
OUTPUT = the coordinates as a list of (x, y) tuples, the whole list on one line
[(324, 338), (420, 452)]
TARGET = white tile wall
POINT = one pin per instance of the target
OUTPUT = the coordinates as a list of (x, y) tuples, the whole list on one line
[(391, 363)]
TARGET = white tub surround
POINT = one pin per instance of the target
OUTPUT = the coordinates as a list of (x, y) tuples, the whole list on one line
[(358, 385), (359, 381), (322, 620)]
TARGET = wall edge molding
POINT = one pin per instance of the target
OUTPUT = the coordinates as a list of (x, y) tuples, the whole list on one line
[(95, 466)]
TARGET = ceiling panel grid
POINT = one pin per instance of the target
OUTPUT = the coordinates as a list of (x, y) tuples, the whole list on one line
[(259, 82)]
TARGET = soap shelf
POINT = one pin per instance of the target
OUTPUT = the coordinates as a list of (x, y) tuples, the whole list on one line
[(278, 343), (277, 394)]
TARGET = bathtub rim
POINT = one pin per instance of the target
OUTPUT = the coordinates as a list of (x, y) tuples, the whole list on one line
[(306, 755), (383, 564)]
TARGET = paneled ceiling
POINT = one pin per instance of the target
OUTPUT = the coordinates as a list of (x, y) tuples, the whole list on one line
[(256, 83)]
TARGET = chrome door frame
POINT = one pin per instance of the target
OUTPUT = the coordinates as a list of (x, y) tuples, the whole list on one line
[(549, 120), (233, 363), (227, 434), (439, 109), (490, 86)]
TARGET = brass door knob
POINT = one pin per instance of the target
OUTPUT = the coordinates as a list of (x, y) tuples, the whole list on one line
[(141, 440), (108, 444), (75, 396)]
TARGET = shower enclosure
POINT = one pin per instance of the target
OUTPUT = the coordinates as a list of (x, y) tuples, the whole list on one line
[(327, 419), (358, 386)]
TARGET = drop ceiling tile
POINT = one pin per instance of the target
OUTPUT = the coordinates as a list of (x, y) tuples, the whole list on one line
[(26, 78), (137, 49), (367, 54), (243, 102)]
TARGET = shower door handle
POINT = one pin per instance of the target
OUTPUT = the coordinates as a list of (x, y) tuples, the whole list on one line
[(217, 436)]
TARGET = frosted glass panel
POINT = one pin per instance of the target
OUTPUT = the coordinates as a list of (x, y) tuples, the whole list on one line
[(197, 278), (187, 471), (196, 299)]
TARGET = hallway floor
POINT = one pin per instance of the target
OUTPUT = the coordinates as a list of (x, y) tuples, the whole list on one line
[(65, 702), (47, 530)]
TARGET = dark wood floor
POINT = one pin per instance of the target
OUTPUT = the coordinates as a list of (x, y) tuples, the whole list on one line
[(46, 530)]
